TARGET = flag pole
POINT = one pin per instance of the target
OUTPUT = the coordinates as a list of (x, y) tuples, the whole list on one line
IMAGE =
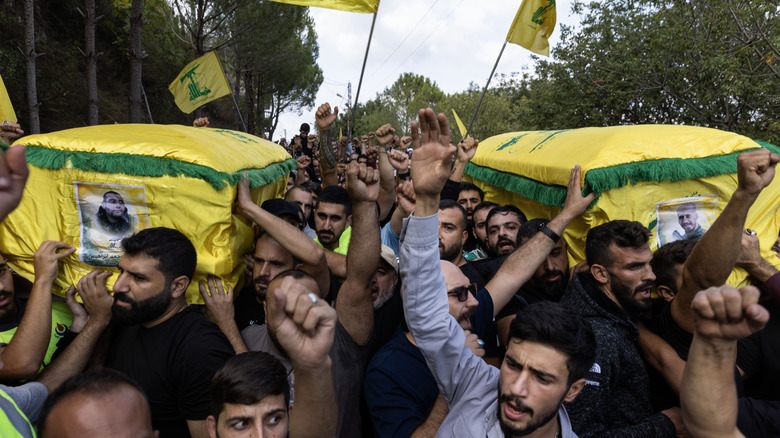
[(485, 90), (362, 70), (148, 111), (239, 113)]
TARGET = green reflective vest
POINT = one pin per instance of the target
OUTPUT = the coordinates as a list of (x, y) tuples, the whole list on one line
[(13, 422)]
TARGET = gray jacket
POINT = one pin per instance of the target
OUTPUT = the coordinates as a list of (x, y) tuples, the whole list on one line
[(467, 383)]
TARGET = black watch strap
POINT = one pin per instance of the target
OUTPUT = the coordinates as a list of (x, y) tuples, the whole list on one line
[(550, 233)]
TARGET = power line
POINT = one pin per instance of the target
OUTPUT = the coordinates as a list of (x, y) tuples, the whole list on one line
[(404, 40), (421, 43)]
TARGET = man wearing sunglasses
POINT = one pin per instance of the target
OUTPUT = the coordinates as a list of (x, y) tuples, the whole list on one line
[(539, 371), (400, 390)]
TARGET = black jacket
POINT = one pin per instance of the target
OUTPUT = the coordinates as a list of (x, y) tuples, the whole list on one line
[(615, 401)]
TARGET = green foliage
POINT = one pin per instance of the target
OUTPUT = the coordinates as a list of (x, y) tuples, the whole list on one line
[(705, 63)]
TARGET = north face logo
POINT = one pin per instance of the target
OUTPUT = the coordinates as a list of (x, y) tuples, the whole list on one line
[(595, 368)]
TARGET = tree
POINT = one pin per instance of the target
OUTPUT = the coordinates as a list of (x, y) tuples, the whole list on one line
[(89, 53), (706, 63), (279, 61), (497, 114), (136, 59), (409, 93), (31, 56)]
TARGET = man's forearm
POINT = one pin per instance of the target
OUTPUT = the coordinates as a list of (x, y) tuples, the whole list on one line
[(713, 257), (23, 356), (230, 330), (708, 395), (354, 306), (315, 412), (73, 360), (431, 425)]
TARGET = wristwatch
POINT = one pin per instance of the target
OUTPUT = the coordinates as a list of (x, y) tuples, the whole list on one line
[(550, 233)]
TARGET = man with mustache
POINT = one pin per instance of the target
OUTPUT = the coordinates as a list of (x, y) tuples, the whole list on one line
[(332, 221), (547, 284), (168, 347), (400, 390), (280, 246), (502, 225), (611, 295), (353, 305), (544, 363)]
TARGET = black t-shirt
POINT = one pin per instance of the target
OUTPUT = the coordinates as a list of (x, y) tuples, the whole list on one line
[(174, 363), (759, 357), (662, 396), (247, 310), (473, 275)]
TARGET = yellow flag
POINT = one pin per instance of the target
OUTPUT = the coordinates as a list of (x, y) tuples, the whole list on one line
[(365, 6), (461, 126), (6, 109), (340, 134), (533, 25), (201, 81)]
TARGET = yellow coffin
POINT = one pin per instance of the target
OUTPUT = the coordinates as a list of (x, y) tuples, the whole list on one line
[(644, 173), (90, 187)]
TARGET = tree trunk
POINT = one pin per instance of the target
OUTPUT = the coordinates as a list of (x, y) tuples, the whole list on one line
[(250, 105), (136, 58), (237, 93), (29, 50), (260, 109), (89, 52)]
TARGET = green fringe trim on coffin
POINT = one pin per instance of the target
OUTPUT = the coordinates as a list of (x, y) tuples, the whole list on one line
[(141, 165), (607, 178)]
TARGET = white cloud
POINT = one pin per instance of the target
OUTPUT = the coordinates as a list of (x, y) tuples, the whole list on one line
[(464, 38)]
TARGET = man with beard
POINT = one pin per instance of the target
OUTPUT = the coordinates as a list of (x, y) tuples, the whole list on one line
[(400, 390), (615, 291), (541, 369), (280, 246), (479, 219), (169, 348), (112, 214), (688, 219), (303, 197), (547, 284), (354, 307), (332, 220), (453, 231), (502, 225)]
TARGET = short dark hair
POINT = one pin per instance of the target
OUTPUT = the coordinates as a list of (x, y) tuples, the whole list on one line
[(530, 228), (446, 204), (505, 209), (623, 233), (554, 325), (485, 204), (111, 192), (173, 251), (335, 195), (302, 187), (667, 258), (94, 382), (247, 379), (467, 186)]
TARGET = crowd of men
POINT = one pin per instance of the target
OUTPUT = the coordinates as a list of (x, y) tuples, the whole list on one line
[(386, 297)]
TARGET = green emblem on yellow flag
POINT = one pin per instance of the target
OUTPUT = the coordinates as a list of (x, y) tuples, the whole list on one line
[(6, 109), (533, 25), (201, 81)]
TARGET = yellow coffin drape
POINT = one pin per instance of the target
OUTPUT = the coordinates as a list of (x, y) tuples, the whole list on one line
[(643, 173), (164, 176)]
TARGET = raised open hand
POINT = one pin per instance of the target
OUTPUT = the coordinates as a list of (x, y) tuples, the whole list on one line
[(433, 153)]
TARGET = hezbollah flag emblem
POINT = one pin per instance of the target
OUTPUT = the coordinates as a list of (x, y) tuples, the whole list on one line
[(201, 81)]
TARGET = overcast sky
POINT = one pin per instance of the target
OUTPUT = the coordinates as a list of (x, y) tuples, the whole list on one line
[(452, 42)]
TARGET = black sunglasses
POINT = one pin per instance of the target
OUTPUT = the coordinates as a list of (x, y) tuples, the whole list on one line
[(462, 292)]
